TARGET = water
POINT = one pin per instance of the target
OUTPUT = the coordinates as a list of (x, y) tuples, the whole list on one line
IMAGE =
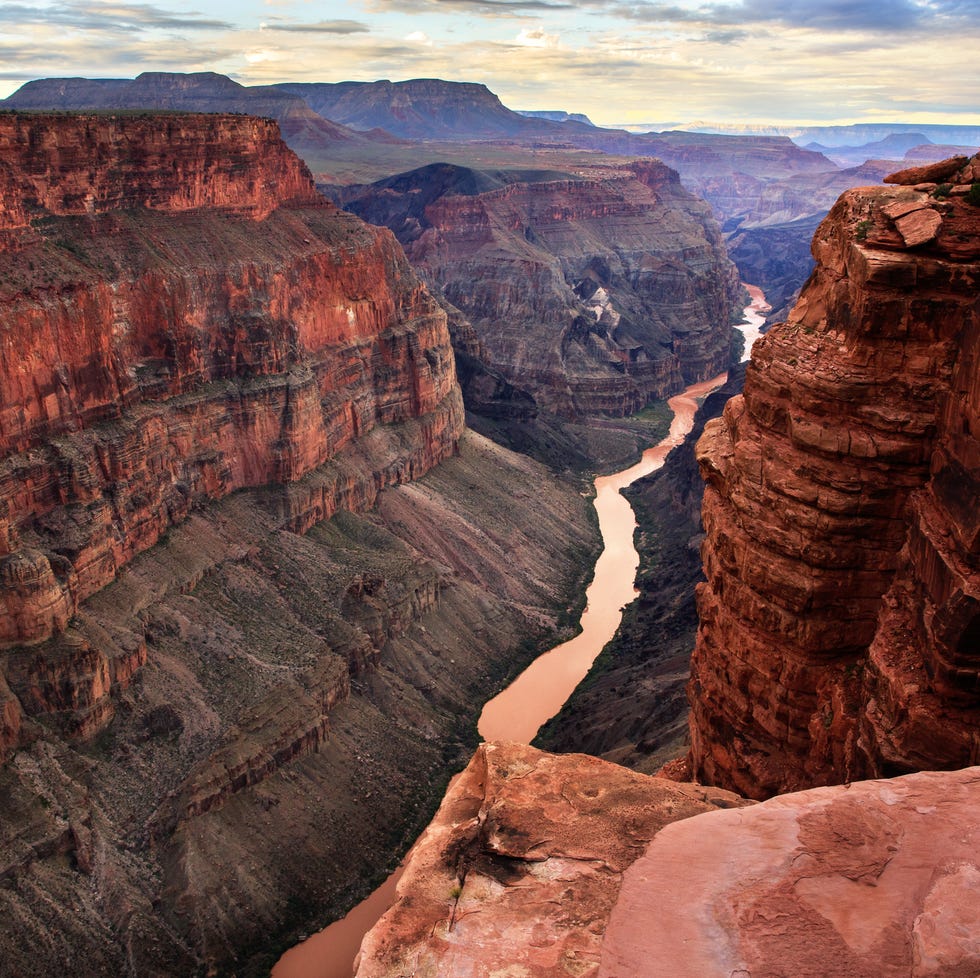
[(539, 692)]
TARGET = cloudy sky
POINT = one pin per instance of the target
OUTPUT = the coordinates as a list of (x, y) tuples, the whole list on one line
[(620, 61)]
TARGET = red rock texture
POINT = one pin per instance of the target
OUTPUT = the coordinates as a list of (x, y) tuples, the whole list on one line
[(535, 866), (595, 292), (94, 164), (184, 317), (874, 878), (520, 868), (839, 618)]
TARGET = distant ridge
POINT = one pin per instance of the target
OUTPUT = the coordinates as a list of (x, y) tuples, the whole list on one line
[(557, 115), (204, 91), (421, 108)]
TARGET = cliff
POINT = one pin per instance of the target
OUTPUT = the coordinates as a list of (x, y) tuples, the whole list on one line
[(839, 619), (240, 653), (420, 108), (303, 130), (186, 317), (595, 293), (543, 865)]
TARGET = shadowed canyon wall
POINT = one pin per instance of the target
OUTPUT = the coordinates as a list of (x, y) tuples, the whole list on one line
[(839, 621), (236, 667), (595, 292), (838, 641)]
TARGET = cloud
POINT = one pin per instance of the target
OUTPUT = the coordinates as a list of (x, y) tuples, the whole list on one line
[(317, 27), (487, 8), (535, 39), (115, 17), (725, 36), (842, 15)]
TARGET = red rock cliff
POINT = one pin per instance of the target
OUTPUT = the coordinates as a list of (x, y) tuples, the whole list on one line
[(840, 619), (184, 316), (596, 291)]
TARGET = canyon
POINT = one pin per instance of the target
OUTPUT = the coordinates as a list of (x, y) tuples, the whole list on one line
[(354, 132), (594, 292), (258, 576), (836, 643), (256, 571)]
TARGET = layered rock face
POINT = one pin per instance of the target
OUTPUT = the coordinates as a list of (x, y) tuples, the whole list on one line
[(595, 293), (306, 132), (839, 619), (185, 317)]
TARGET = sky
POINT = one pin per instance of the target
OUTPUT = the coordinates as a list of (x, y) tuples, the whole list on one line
[(753, 62)]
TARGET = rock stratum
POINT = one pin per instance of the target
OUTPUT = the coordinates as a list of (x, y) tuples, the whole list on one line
[(186, 317), (595, 292), (841, 614), (225, 710), (838, 641), (540, 866)]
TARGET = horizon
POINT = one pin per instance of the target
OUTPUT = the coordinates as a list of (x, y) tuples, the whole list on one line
[(754, 63)]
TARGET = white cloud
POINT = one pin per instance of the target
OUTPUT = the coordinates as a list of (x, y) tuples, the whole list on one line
[(536, 39)]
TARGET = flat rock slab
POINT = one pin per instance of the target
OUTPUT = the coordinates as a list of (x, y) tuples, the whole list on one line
[(919, 226), (877, 879)]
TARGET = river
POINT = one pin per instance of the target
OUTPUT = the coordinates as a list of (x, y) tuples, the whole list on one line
[(539, 692)]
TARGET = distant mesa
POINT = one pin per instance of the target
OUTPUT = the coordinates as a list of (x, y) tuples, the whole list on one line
[(557, 116), (204, 91), (423, 108)]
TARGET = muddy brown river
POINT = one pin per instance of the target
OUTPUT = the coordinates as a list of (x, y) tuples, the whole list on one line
[(539, 692)]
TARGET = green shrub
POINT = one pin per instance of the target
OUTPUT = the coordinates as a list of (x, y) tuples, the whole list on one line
[(862, 229), (942, 191), (973, 194)]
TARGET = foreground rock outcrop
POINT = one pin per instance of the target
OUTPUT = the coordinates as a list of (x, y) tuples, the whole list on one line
[(595, 292), (539, 865), (874, 878), (839, 622), (523, 863)]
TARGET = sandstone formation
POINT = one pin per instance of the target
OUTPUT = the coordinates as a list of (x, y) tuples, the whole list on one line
[(233, 331), (595, 293), (303, 130), (839, 619), (520, 868), (536, 865), (874, 878), (221, 712)]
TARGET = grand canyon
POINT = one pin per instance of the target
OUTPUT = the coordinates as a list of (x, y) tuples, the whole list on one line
[(303, 394)]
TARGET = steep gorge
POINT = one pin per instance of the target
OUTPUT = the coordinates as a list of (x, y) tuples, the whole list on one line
[(595, 291), (239, 652), (837, 642)]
